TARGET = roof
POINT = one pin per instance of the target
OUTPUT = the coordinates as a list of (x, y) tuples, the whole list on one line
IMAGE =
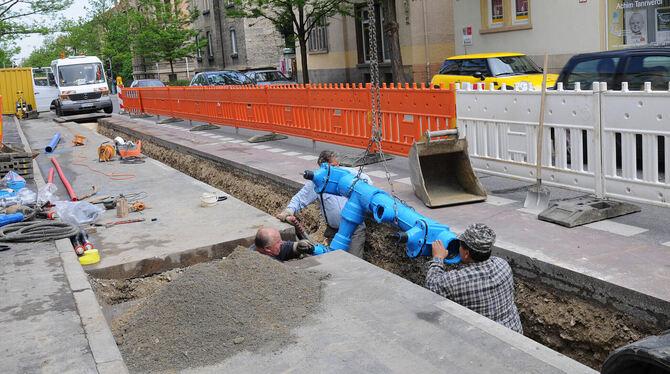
[(74, 60), (485, 55)]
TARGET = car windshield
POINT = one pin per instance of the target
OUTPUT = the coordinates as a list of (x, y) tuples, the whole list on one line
[(222, 78), (512, 65), (270, 76), (80, 74), (150, 83)]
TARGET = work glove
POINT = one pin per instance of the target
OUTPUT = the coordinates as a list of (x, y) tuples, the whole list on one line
[(285, 214), (303, 247)]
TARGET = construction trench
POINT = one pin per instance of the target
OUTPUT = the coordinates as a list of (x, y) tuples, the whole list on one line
[(582, 329)]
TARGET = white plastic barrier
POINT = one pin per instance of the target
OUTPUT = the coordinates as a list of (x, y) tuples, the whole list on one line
[(501, 127)]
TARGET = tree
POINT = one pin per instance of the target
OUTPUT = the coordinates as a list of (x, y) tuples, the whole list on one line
[(391, 32), (6, 53), (18, 17), (50, 50), (161, 31), (304, 14)]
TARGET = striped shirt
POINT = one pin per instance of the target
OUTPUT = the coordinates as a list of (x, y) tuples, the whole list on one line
[(484, 287)]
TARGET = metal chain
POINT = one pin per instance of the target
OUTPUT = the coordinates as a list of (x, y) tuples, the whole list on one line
[(377, 133)]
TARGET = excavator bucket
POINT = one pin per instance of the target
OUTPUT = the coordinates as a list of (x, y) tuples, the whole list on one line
[(441, 173)]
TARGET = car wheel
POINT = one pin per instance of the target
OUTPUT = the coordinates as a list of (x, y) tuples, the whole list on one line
[(59, 111), (109, 110)]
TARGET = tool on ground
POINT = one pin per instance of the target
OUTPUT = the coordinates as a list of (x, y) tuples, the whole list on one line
[(106, 152), (101, 199), (122, 209), (77, 244), (78, 141), (138, 207), (84, 240), (53, 143), (127, 148), (418, 232), (208, 199), (537, 197), (95, 191), (441, 172), (69, 189), (23, 109), (299, 229), (110, 224)]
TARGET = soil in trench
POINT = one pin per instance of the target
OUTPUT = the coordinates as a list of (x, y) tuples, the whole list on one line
[(584, 330)]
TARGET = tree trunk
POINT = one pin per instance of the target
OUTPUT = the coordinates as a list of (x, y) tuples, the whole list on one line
[(303, 58), (391, 32)]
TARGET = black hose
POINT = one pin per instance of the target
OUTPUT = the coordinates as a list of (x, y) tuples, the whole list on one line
[(24, 232)]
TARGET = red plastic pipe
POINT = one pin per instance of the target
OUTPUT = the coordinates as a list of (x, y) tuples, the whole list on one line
[(51, 176), (65, 182)]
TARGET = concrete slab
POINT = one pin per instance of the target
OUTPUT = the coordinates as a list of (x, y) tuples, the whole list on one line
[(632, 273), (41, 328), (184, 233), (375, 322)]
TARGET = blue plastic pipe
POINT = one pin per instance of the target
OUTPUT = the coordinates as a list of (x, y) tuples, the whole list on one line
[(417, 232), (52, 145), (6, 219)]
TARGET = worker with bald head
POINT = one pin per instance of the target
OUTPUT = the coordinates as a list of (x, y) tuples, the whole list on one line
[(268, 241)]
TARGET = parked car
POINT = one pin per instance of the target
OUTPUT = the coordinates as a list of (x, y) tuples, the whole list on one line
[(496, 68), (147, 83), (82, 85), (273, 77), (220, 78), (635, 66)]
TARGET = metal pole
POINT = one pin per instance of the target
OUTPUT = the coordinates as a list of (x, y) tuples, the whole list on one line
[(187, 73)]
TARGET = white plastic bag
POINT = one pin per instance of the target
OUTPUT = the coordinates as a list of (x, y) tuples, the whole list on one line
[(78, 212), (46, 192), (26, 196), (13, 181)]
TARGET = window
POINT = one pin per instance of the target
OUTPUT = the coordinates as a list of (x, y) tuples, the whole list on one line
[(450, 67), (210, 52), (654, 69), (505, 15), (594, 70), (318, 37), (363, 36), (233, 42), (198, 51), (520, 12), (475, 65), (206, 5), (496, 13)]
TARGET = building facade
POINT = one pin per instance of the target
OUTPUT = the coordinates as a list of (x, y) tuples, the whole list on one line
[(559, 28), (338, 51)]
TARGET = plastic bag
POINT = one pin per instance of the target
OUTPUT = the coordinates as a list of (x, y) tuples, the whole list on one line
[(78, 212), (46, 192), (26, 196), (13, 181)]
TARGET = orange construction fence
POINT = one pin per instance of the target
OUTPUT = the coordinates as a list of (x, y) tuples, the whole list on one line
[(331, 113)]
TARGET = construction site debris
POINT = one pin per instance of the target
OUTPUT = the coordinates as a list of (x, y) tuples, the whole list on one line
[(215, 310)]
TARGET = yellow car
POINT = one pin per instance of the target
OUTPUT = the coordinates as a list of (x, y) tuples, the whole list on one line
[(496, 68)]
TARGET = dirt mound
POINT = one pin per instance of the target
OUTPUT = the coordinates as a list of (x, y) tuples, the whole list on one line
[(214, 310)]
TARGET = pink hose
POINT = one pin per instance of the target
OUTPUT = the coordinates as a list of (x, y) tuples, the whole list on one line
[(65, 182), (51, 176)]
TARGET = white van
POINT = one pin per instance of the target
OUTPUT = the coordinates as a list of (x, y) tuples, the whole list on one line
[(82, 85)]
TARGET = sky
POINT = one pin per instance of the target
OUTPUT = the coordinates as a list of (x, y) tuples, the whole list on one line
[(30, 43)]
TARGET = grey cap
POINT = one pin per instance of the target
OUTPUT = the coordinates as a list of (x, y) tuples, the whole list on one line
[(478, 237)]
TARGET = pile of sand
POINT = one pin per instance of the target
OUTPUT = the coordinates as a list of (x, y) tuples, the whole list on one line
[(212, 311)]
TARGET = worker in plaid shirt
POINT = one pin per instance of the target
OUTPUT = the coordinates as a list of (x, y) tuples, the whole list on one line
[(484, 284)]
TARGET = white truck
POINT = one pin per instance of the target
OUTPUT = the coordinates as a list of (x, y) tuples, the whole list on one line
[(81, 84)]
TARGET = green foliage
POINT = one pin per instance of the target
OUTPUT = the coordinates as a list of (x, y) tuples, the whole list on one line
[(17, 18), (50, 50), (161, 31), (179, 83), (6, 53)]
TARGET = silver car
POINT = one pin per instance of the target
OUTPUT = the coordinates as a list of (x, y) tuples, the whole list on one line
[(273, 77)]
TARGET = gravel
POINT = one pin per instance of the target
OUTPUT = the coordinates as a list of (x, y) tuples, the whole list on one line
[(215, 310)]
